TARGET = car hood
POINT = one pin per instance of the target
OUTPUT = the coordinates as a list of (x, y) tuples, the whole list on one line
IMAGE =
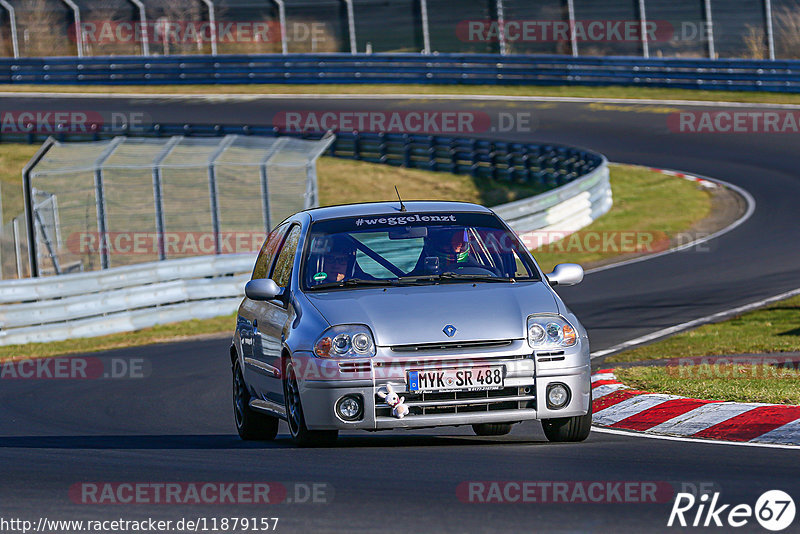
[(418, 314)]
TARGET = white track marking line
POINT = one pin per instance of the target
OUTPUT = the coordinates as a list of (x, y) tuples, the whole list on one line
[(751, 208), (404, 96), (784, 434), (629, 433), (702, 417), (628, 407), (696, 322)]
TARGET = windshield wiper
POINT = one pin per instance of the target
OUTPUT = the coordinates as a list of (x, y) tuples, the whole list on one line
[(455, 276), (353, 282)]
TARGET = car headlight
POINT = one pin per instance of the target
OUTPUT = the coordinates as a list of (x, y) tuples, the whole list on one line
[(345, 341), (550, 332)]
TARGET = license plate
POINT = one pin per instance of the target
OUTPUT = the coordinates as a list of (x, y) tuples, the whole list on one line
[(472, 379)]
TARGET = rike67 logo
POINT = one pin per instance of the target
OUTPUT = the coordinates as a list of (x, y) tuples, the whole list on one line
[(774, 510)]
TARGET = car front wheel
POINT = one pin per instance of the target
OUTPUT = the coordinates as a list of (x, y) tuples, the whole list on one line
[(250, 424), (566, 429), (301, 435)]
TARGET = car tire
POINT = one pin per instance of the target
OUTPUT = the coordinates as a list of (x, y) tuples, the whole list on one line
[(568, 429), (492, 429), (301, 435), (250, 424)]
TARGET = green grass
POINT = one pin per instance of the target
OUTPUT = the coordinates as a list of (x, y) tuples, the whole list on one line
[(649, 207), (531, 90), (342, 181), (772, 329), (146, 336), (738, 383)]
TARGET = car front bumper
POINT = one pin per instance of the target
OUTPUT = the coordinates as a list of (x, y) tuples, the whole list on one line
[(522, 398)]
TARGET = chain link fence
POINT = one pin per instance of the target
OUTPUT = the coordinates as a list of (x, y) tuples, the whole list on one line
[(757, 29), (123, 201)]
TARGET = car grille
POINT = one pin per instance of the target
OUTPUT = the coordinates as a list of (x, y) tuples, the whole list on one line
[(454, 345), (455, 402)]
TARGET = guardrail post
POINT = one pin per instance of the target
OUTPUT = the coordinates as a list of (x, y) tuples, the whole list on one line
[(709, 29), (17, 254), (157, 193), (12, 20), (573, 37), (643, 29), (212, 188), (770, 34), (351, 25)]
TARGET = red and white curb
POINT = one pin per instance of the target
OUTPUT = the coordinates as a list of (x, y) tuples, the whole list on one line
[(616, 405), (686, 176)]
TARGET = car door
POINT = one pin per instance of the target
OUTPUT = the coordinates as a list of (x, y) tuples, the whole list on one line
[(271, 318), (246, 322)]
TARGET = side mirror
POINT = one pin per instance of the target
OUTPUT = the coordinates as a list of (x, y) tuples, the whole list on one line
[(262, 289), (566, 274)]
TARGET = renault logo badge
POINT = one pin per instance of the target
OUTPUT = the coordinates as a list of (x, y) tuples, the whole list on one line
[(449, 330)]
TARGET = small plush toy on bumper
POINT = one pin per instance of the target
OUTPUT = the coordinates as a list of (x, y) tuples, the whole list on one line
[(394, 401)]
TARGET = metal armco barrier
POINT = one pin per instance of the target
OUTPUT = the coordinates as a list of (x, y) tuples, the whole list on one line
[(461, 69), (121, 299)]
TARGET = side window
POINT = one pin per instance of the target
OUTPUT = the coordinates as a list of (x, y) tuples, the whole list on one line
[(267, 253), (282, 272)]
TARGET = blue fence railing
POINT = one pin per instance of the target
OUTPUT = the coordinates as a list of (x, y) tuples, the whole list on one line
[(730, 74), (543, 166)]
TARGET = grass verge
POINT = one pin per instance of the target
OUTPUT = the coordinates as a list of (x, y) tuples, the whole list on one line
[(738, 383), (342, 181), (771, 329), (146, 336), (654, 93)]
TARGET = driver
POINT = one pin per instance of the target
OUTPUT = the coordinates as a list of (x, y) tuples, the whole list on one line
[(336, 262), (450, 246)]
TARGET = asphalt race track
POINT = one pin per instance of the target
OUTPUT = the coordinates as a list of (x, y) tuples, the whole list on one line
[(175, 425)]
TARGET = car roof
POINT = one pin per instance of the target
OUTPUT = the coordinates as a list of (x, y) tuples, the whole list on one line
[(386, 208)]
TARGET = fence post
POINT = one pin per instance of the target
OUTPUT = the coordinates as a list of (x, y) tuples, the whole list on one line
[(770, 34), (76, 11), (29, 200), (212, 188), (212, 22), (100, 199), (157, 193), (12, 20), (710, 29), (426, 32), (351, 26), (262, 166), (573, 37), (143, 21), (282, 21), (643, 25)]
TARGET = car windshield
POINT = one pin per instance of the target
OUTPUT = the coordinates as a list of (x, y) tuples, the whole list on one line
[(413, 249)]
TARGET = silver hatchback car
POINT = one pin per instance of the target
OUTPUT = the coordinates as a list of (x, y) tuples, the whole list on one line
[(381, 316)]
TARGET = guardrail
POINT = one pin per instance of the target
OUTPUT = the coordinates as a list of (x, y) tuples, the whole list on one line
[(121, 299), (461, 69)]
